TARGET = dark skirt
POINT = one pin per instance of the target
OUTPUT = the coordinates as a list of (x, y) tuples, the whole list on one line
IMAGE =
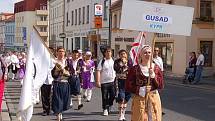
[(75, 85), (61, 97)]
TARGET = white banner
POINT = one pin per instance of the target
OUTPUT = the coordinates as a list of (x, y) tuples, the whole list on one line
[(156, 17)]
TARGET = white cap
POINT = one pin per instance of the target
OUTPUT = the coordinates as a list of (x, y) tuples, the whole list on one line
[(88, 53)]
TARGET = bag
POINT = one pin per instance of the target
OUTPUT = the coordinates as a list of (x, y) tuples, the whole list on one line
[(74, 82)]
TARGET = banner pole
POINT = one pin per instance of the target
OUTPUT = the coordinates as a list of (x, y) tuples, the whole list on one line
[(149, 78)]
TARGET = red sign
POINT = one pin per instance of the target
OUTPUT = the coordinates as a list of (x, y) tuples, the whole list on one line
[(98, 22)]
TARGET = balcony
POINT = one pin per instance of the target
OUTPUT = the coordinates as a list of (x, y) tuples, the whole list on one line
[(43, 34), (204, 22), (42, 12), (42, 23)]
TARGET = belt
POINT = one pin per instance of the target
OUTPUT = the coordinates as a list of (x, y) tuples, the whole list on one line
[(62, 81)]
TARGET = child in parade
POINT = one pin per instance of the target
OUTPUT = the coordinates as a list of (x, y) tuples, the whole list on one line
[(88, 67), (121, 66), (74, 65)]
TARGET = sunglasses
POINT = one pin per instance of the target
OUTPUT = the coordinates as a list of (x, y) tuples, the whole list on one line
[(147, 53)]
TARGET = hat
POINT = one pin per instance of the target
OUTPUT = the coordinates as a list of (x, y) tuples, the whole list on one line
[(88, 53), (80, 51)]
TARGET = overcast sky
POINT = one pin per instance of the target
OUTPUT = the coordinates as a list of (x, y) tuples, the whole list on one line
[(7, 5)]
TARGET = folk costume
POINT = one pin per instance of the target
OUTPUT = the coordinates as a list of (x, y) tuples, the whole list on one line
[(75, 80), (88, 78), (135, 83), (121, 69), (61, 88)]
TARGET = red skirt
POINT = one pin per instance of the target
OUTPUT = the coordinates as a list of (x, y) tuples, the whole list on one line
[(1, 92)]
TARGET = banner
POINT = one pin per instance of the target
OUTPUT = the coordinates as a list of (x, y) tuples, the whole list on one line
[(38, 62), (156, 17)]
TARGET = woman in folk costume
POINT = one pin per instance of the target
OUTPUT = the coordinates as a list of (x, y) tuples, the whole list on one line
[(146, 105), (88, 68), (22, 63), (121, 66), (61, 88)]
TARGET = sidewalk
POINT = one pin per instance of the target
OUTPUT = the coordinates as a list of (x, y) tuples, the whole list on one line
[(5, 112), (207, 83)]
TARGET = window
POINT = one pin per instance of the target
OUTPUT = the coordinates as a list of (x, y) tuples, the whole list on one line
[(72, 43), (83, 14), (84, 43), (43, 18), (77, 43), (88, 14), (206, 10), (207, 48), (115, 21), (79, 16), (170, 2), (117, 48), (67, 18), (43, 29), (76, 17), (105, 9), (72, 19)]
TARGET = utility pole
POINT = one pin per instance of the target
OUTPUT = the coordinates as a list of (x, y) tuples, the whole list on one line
[(110, 23)]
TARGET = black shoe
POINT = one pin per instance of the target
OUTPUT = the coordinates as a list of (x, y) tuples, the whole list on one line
[(44, 114), (80, 106), (88, 100), (163, 113)]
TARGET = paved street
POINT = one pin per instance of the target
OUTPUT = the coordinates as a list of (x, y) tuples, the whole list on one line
[(180, 103)]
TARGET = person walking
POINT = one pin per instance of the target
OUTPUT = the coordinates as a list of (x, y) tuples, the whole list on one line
[(105, 79), (46, 89), (75, 81), (121, 66), (88, 68), (61, 88), (199, 67), (146, 103)]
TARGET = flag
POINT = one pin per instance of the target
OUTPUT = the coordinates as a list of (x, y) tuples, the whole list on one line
[(136, 45), (37, 66)]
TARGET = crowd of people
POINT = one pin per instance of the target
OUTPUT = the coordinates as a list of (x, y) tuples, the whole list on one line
[(71, 76)]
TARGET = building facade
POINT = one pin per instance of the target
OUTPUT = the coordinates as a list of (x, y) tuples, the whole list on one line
[(56, 21), (9, 33), (29, 13), (175, 49), (80, 26), (6, 29)]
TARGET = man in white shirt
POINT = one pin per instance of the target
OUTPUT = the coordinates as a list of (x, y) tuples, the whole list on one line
[(105, 79), (158, 60), (199, 67), (46, 89)]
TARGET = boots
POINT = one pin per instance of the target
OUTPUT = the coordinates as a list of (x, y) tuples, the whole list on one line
[(121, 112)]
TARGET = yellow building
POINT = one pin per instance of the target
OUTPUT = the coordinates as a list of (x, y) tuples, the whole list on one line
[(175, 49)]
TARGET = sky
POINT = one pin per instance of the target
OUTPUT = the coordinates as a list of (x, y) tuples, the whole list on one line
[(7, 5)]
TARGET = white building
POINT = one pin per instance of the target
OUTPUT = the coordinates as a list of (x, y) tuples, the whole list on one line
[(80, 28), (29, 13), (56, 16), (175, 49)]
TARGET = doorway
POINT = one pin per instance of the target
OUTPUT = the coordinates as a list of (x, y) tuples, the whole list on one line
[(166, 53)]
